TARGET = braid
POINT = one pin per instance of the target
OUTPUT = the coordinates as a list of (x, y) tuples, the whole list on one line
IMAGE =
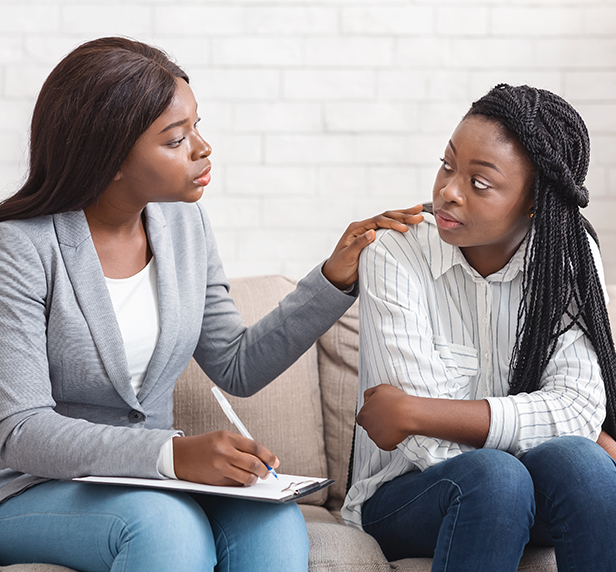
[(561, 286)]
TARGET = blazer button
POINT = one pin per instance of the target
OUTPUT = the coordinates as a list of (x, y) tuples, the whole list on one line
[(136, 416)]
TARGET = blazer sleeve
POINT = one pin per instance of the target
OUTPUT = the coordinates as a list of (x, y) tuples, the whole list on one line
[(34, 439), (241, 359)]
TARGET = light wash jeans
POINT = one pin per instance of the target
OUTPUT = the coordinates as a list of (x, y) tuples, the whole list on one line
[(100, 528), (477, 511)]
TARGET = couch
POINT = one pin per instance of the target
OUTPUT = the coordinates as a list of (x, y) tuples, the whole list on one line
[(306, 417)]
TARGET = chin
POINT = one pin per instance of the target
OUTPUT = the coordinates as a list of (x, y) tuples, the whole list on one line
[(194, 196)]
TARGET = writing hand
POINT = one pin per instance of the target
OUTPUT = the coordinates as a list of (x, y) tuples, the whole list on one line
[(221, 458), (341, 267)]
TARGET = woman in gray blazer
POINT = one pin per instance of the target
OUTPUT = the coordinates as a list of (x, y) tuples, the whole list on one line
[(106, 234)]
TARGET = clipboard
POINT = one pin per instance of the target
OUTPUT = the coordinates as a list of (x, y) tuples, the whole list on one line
[(287, 488)]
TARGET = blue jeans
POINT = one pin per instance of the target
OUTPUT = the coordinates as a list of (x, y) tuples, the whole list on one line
[(477, 511), (99, 528)]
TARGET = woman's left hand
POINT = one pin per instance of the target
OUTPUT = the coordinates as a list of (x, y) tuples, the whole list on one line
[(341, 267)]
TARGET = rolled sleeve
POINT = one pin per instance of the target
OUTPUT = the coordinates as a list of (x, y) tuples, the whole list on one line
[(504, 425)]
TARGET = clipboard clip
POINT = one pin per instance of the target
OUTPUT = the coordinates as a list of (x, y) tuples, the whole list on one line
[(295, 487)]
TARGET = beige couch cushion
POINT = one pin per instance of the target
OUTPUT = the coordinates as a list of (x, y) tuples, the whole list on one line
[(338, 363), (286, 416)]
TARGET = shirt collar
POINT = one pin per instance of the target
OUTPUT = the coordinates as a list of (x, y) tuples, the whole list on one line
[(442, 257)]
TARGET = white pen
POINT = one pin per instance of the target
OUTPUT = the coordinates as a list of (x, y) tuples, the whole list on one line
[(232, 415)]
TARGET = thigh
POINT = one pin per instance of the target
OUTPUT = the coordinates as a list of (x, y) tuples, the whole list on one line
[(98, 528), (454, 510), (575, 487), (256, 536)]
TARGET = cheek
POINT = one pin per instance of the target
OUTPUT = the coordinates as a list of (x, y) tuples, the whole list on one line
[(438, 184)]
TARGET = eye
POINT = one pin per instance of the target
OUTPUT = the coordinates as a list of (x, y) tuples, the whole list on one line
[(446, 166), (478, 184), (196, 123), (176, 143)]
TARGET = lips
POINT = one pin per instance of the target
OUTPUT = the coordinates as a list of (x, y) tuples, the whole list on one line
[(204, 178), (446, 221)]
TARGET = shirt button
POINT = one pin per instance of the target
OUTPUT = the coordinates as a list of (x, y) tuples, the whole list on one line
[(136, 416), (485, 320), (486, 355), (485, 393)]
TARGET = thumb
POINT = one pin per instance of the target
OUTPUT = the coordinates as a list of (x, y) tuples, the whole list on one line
[(362, 241)]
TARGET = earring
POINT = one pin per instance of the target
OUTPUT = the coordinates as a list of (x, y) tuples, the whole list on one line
[(531, 215)]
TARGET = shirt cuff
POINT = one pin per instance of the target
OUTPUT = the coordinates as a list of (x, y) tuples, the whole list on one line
[(165, 459), (504, 424)]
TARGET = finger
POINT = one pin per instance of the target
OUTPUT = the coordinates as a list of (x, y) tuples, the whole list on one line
[(237, 476), (368, 393), (257, 457), (410, 211), (396, 220)]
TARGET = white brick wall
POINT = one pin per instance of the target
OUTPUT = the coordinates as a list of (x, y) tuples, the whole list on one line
[(323, 111)]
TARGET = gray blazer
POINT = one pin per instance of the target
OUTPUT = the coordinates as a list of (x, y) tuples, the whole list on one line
[(67, 407)]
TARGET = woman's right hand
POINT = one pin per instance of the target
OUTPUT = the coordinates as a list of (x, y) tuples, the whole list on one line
[(221, 458)]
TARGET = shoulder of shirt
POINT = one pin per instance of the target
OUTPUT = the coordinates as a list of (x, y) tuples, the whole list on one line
[(418, 235), (422, 237)]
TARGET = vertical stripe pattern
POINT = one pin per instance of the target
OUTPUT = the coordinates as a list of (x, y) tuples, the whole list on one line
[(433, 327)]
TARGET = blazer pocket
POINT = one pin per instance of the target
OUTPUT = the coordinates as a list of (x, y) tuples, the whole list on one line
[(462, 359)]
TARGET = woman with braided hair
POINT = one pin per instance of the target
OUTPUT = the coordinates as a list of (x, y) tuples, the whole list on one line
[(487, 366)]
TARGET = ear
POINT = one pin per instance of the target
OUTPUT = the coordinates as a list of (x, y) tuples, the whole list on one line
[(118, 176)]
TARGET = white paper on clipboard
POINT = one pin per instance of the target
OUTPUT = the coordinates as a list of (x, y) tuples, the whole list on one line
[(287, 488)]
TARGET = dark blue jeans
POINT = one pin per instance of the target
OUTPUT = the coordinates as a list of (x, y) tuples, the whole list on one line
[(477, 511)]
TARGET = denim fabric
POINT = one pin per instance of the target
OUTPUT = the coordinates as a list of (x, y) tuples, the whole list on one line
[(575, 491), (98, 528), (476, 512), (471, 513)]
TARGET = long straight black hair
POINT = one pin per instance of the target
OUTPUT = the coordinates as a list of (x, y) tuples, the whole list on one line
[(91, 110), (561, 285)]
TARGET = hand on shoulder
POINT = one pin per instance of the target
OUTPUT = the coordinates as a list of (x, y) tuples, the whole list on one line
[(341, 267)]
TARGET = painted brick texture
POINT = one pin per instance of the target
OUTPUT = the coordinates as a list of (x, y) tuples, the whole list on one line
[(321, 112)]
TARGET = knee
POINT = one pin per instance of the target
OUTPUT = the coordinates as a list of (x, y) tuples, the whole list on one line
[(283, 528), (160, 522), (571, 463), (502, 484)]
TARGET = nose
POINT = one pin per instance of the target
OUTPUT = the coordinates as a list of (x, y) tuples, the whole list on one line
[(201, 147), (451, 191)]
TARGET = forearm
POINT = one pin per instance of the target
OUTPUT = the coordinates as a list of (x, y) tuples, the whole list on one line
[(243, 360), (390, 416), (460, 421), (49, 445)]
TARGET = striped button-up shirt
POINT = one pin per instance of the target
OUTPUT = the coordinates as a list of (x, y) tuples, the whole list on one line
[(433, 327)]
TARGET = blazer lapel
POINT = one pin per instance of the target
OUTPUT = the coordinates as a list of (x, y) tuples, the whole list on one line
[(168, 297), (86, 276)]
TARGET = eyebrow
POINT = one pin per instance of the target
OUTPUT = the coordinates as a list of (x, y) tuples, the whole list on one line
[(172, 125), (477, 161)]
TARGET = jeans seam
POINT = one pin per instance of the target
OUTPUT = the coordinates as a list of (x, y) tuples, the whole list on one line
[(227, 552), (454, 525), (398, 509), (565, 551)]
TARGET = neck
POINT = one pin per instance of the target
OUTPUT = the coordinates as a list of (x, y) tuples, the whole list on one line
[(488, 260), (108, 217)]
